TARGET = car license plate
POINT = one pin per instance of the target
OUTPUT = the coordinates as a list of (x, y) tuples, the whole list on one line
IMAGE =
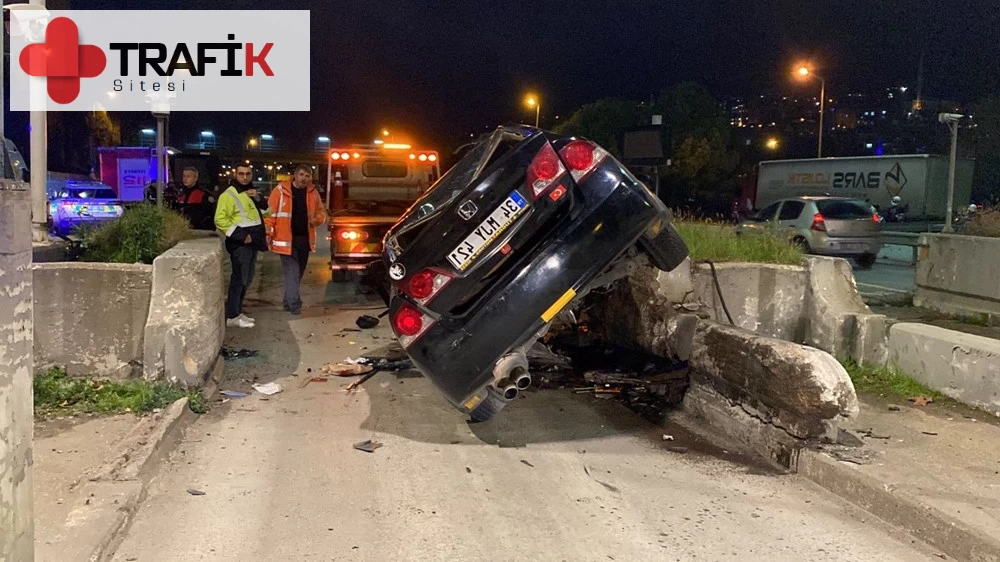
[(488, 231)]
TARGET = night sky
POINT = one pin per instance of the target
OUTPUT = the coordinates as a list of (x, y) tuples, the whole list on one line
[(441, 70)]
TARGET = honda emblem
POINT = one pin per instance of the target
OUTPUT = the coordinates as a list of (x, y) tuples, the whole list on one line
[(468, 210)]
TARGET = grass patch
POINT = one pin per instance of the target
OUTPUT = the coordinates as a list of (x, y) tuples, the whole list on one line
[(719, 242), (886, 381), (57, 393), (142, 233)]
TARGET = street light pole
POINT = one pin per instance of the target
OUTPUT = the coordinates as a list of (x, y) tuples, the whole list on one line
[(538, 108), (951, 119), (822, 112)]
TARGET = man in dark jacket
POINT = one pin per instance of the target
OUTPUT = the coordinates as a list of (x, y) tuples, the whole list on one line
[(238, 218)]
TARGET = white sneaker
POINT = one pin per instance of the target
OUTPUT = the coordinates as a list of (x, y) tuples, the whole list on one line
[(238, 323), (247, 318)]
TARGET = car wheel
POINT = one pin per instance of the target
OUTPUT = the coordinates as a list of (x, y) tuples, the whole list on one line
[(666, 250), (800, 243), (489, 407), (866, 261)]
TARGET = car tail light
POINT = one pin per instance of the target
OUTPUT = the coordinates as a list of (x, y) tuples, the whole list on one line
[(545, 169), (876, 218), (819, 225), (409, 324), (353, 235), (582, 157), (424, 285)]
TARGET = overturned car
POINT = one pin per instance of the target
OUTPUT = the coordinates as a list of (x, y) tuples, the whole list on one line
[(521, 228)]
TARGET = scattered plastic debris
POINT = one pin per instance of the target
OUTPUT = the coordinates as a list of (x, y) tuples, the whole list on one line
[(668, 437), (368, 446), (268, 389), (526, 463), (194, 492), (366, 322), (346, 369), (233, 393)]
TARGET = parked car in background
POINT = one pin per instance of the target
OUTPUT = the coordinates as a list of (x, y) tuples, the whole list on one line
[(83, 202), (828, 226)]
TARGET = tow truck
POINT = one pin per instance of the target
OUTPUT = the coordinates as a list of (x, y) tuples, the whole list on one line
[(369, 186)]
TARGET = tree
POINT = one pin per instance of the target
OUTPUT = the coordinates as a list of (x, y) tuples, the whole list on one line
[(605, 122), (696, 134), (983, 143)]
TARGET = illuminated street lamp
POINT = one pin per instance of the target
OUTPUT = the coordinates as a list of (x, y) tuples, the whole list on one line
[(532, 101), (804, 73), (772, 143)]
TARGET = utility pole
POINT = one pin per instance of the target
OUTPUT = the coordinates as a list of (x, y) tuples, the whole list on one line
[(822, 111), (17, 516), (39, 157), (951, 119)]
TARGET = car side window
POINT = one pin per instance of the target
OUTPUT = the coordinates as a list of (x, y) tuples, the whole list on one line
[(767, 213), (791, 210)]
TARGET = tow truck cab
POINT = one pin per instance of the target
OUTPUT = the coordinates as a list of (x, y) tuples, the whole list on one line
[(368, 188)]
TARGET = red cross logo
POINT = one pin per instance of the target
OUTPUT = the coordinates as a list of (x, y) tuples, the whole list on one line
[(62, 60)]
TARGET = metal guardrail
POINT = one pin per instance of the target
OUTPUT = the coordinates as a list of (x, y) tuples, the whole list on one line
[(910, 239)]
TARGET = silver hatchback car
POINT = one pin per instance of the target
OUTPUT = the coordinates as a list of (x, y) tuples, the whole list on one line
[(829, 226)]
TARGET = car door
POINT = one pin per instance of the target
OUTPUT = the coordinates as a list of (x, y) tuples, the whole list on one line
[(788, 223), (761, 222)]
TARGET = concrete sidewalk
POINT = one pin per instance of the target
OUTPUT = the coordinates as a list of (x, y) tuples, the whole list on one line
[(933, 470)]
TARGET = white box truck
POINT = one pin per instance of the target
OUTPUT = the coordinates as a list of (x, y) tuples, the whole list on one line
[(920, 180)]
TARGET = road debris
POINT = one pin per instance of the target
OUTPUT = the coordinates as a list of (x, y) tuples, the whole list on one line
[(230, 354), (929, 432), (366, 322), (526, 463), (874, 434), (354, 385), (922, 400), (268, 389), (368, 446), (668, 437), (233, 393), (346, 369), (678, 450), (894, 408), (313, 379), (195, 492), (468, 470)]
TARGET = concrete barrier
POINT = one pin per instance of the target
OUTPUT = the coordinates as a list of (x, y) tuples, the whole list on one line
[(958, 274), (962, 366), (186, 322), (768, 300), (90, 317), (769, 394)]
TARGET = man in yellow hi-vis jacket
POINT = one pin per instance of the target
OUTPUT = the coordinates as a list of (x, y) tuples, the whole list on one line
[(239, 220)]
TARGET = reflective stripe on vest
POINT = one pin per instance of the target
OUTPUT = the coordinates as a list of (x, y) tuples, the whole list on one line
[(245, 221), (281, 244)]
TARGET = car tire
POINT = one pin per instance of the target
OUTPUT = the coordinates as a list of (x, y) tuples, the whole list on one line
[(866, 261), (489, 407), (666, 250), (801, 243)]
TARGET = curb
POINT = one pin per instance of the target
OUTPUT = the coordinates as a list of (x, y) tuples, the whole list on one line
[(898, 508), (110, 498)]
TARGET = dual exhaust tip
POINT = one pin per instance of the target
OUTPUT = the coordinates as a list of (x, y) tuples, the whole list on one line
[(515, 381)]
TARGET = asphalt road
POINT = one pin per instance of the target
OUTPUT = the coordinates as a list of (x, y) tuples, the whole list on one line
[(556, 476), (892, 277)]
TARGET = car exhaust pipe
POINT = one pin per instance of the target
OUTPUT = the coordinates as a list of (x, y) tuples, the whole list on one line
[(507, 389), (521, 378)]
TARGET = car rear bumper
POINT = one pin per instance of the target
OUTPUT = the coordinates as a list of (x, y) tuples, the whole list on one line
[(65, 224), (458, 354), (845, 246)]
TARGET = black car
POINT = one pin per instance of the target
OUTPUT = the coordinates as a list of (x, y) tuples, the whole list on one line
[(524, 225)]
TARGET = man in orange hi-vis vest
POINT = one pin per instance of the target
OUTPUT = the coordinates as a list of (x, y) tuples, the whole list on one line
[(296, 209)]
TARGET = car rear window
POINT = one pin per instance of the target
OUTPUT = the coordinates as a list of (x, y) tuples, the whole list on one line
[(844, 209), (89, 194), (385, 169)]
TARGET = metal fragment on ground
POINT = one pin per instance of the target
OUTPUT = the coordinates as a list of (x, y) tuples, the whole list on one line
[(368, 446)]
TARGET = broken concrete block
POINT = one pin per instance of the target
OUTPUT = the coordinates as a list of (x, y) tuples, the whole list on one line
[(800, 390), (635, 315)]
